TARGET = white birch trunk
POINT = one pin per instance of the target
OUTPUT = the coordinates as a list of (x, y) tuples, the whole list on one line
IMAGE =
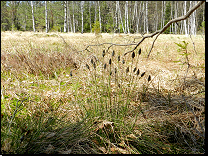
[(99, 17), (95, 12), (120, 18), (82, 10), (156, 16), (144, 13), (90, 17), (127, 19), (147, 17), (171, 14), (69, 22), (140, 8), (46, 16), (65, 16), (162, 16), (116, 14), (185, 26), (175, 16), (73, 17), (33, 19)]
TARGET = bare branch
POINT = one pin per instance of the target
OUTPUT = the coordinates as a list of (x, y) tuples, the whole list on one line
[(158, 32)]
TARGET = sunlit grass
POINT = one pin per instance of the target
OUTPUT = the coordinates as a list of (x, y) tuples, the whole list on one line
[(57, 101)]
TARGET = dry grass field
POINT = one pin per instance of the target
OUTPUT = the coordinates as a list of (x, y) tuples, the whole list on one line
[(58, 98)]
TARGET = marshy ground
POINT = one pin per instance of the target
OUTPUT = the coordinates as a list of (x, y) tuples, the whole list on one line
[(57, 97)]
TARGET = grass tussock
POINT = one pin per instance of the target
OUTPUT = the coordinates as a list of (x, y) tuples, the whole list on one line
[(57, 101)]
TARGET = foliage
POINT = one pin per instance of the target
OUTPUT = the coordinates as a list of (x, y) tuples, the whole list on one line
[(167, 16), (19, 13), (96, 27)]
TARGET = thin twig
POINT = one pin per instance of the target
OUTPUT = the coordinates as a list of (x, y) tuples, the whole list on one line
[(158, 32)]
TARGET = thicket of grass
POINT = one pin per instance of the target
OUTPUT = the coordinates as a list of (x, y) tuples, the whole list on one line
[(57, 101)]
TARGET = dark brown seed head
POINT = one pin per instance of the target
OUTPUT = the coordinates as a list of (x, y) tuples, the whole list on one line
[(115, 70), (110, 61), (123, 61), (134, 69), (149, 78), (133, 54), (87, 66), (119, 58), (127, 69), (70, 73), (103, 53), (92, 61), (111, 73), (105, 66), (142, 74), (137, 72), (94, 65), (139, 52), (113, 53)]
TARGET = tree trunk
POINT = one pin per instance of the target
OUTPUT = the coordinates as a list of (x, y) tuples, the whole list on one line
[(46, 16), (185, 26), (162, 16), (33, 16), (147, 17), (140, 17), (175, 16), (90, 17), (116, 14), (120, 18), (144, 29), (192, 23), (82, 10), (73, 17), (69, 22), (171, 15), (95, 12), (126, 18), (156, 16), (99, 17), (65, 16)]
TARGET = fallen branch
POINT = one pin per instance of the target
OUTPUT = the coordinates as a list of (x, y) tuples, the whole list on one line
[(111, 44)]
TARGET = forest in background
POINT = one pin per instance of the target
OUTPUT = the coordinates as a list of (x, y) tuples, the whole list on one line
[(101, 16)]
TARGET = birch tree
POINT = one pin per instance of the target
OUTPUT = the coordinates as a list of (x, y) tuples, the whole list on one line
[(82, 10), (126, 16), (65, 16), (99, 17), (162, 19), (73, 17), (192, 19), (46, 16), (90, 16), (156, 17), (120, 17), (116, 16), (33, 19), (135, 15), (185, 26), (175, 16), (147, 26), (69, 22)]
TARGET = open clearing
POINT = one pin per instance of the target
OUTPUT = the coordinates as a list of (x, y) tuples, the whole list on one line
[(51, 102)]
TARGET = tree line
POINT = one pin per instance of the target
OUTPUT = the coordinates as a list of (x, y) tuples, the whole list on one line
[(101, 16)]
